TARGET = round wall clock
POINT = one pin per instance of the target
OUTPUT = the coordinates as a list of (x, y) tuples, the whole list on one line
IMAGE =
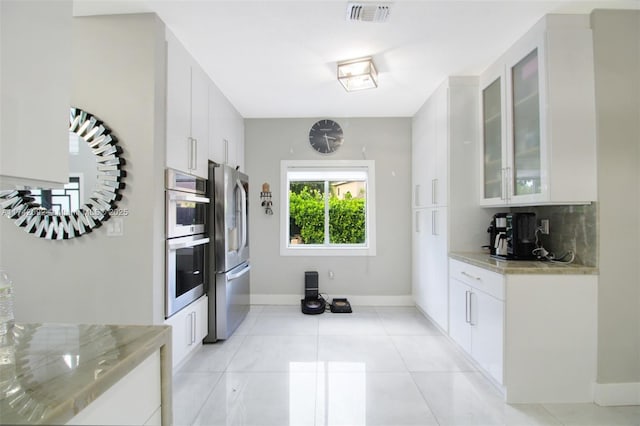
[(326, 136)]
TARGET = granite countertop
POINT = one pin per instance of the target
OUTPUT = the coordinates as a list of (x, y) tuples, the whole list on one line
[(50, 372), (483, 260)]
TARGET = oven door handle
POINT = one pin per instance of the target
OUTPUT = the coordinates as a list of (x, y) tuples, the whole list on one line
[(187, 197), (180, 245)]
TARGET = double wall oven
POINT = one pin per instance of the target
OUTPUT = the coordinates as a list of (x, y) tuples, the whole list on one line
[(187, 245)]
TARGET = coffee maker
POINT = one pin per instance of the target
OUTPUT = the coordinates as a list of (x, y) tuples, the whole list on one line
[(513, 236)]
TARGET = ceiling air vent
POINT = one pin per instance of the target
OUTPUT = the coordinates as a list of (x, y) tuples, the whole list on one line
[(368, 12)]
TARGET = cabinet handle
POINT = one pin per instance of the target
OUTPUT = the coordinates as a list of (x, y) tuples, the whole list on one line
[(418, 222), (466, 274), (509, 183), (416, 195), (503, 180), (471, 294), (190, 152), (434, 222), (193, 327), (226, 151), (194, 153), (467, 312), (434, 188)]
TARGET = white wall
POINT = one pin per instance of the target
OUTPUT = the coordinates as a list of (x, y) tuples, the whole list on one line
[(118, 75), (280, 279), (617, 67)]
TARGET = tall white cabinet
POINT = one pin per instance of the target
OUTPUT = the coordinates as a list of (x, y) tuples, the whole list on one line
[(538, 118), (445, 212)]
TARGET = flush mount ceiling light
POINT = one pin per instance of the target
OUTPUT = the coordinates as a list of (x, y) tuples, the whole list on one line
[(358, 74)]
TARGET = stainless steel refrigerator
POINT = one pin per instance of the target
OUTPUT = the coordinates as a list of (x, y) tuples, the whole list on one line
[(229, 277)]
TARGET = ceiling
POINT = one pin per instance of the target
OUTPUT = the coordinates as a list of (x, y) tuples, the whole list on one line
[(278, 58)]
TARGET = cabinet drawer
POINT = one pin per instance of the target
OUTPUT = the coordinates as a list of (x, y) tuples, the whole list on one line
[(481, 279)]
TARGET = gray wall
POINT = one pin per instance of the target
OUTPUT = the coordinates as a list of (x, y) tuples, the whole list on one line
[(617, 67), (118, 75), (385, 140)]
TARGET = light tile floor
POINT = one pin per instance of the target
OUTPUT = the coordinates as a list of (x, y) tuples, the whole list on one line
[(377, 366)]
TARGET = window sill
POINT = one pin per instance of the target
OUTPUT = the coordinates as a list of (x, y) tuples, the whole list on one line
[(327, 251)]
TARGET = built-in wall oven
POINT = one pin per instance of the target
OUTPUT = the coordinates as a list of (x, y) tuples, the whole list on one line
[(187, 244)]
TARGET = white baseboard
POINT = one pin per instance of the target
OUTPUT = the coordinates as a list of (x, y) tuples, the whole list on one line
[(354, 300), (610, 394)]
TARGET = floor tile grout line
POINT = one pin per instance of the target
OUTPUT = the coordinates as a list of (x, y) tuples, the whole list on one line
[(553, 416), (424, 398), (317, 397), (204, 402), (222, 374)]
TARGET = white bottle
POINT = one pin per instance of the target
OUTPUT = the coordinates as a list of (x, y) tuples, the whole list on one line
[(6, 303)]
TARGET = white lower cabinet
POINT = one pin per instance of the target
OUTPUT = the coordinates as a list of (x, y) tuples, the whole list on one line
[(476, 320), (134, 400), (534, 334), (189, 326)]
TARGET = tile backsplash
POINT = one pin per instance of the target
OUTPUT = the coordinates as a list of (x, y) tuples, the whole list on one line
[(570, 228)]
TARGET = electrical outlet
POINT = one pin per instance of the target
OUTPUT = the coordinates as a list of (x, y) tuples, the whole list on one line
[(544, 226)]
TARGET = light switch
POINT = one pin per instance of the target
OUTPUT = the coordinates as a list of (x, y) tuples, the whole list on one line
[(115, 227)]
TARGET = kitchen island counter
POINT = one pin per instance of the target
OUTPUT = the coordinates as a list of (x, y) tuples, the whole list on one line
[(483, 260), (49, 373)]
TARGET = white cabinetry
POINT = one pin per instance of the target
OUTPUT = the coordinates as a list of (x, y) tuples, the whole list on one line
[(35, 92), (476, 298), (134, 400), (446, 216), (538, 118), (189, 327), (533, 334), (430, 151), (429, 256), (187, 111), (226, 136)]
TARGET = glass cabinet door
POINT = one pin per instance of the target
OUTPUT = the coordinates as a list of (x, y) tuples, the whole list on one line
[(492, 140), (526, 126)]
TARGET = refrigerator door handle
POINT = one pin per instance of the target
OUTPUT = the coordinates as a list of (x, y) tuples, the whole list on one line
[(237, 275), (243, 194)]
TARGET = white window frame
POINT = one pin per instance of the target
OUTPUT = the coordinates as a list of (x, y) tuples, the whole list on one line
[(366, 249)]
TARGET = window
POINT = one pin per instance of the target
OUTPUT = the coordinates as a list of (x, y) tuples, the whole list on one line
[(328, 208)]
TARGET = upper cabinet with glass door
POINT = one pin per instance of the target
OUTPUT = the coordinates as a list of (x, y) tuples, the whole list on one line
[(538, 118), (494, 150)]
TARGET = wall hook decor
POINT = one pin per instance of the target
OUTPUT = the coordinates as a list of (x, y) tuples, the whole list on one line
[(265, 196)]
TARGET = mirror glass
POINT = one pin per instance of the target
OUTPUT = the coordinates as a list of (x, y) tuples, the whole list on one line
[(89, 199)]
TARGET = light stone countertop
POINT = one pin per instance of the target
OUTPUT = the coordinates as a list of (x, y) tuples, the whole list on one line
[(50, 372), (483, 260)]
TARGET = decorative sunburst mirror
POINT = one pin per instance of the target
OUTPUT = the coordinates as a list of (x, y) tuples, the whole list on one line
[(58, 214)]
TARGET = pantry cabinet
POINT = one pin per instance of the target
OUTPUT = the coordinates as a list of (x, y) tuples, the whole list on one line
[(446, 215), (187, 111), (189, 326), (429, 254), (538, 118), (430, 152)]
